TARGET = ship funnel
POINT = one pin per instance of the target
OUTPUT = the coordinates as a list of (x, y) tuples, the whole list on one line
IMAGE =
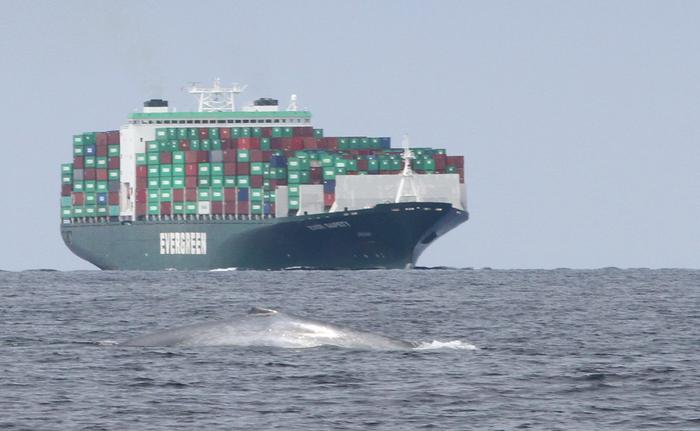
[(155, 105)]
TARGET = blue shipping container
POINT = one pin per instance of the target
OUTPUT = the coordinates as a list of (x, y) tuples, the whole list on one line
[(278, 162), (243, 194), (385, 143), (90, 150), (101, 198), (329, 186)]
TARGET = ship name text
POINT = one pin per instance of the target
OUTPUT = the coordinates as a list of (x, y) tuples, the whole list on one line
[(183, 243)]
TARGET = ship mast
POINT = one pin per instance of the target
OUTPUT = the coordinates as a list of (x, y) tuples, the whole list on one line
[(407, 179), (216, 98)]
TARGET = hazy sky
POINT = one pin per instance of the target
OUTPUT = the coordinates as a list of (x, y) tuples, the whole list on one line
[(579, 121)]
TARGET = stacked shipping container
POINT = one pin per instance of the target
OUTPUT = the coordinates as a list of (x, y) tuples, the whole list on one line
[(228, 171), (90, 184)]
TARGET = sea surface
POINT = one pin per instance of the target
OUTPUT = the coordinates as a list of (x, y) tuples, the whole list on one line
[(497, 350)]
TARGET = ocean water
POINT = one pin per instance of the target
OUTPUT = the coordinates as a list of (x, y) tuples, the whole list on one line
[(522, 349)]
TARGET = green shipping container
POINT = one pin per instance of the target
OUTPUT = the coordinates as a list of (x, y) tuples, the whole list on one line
[(178, 182), (89, 162), (90, 199), (67, 179), (113, 174), (204, 169), (90, 186), (153, 209), (141, 159), (243, 155), (178, 208), (256, 168), (217, 194), (166, 170), (153, 171), (66, 212), (165, 182), (162, 134), (153, 159), (190, 208), (293, 190), (66, 201), (67, 168), (153, 195), (217, 181), (204, 181), (217, 168), (242, 181), (256, 195), (78, 211), (102, 211), (204, 194), (178, 157), (90, 211), (78, 151), (78, 186), (101, 162), (114, 210), (229, 182), (152, 147), (293, 204), (78, 141), (102, 186), (153, 182), (113, 150), (166, 195)]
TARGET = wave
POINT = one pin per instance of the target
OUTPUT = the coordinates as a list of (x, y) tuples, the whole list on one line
[(233, 268)]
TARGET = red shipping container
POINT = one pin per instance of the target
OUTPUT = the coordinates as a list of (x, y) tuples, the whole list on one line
[(217, 207), (297, 144), (266, 155), (229, 168), (330, 143), (316, 173), (142, 171), (78, 198), (89, 175), (190, 156), (256, 156), (101, 175), (440, 161), (78, 162), (166, 158), (226, 144), (141, 196), (303, 131), (178, 195), (230, 195), (202, 156), (113, 137), (256, 181), (311, 143), (254, 143), (113, 198), (224, 133), (191, 169), (229, 207), (141, 183), (191, 182), (203, 133), (229, 155), (242, 208), (101, 150), (140, 209), (66, 189), (101, 139), (328, 199), (266, 132), (113, 163), (183, 145), (191, 194), (166, 207), (243, 143), (362, 165), (457, 161), (276, 143), (243, 169)]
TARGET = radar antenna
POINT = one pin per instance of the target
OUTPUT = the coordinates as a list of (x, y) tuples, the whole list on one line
[(292, 103), (216, 98), (407, 179)]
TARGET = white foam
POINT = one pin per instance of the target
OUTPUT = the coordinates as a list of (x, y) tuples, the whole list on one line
[(107, 343), (455, 344), (233, 268)]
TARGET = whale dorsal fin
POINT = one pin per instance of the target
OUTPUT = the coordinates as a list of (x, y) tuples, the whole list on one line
[(260, 311)]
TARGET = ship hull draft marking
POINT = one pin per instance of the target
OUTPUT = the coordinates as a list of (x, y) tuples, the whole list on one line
[(183, 243)]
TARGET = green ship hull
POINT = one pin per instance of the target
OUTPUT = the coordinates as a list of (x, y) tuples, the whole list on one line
[(385, 236)]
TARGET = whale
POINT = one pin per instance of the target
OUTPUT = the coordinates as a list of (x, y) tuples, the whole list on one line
[(269, 327)]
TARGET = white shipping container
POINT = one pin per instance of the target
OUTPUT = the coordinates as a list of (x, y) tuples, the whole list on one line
[(204, 207)]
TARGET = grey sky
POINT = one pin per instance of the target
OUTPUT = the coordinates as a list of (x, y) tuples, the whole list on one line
[(578, 120)]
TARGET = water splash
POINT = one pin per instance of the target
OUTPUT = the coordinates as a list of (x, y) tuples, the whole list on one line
[(455, 344)]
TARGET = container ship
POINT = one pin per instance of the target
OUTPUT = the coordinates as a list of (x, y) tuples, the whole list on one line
[(253, 188)]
